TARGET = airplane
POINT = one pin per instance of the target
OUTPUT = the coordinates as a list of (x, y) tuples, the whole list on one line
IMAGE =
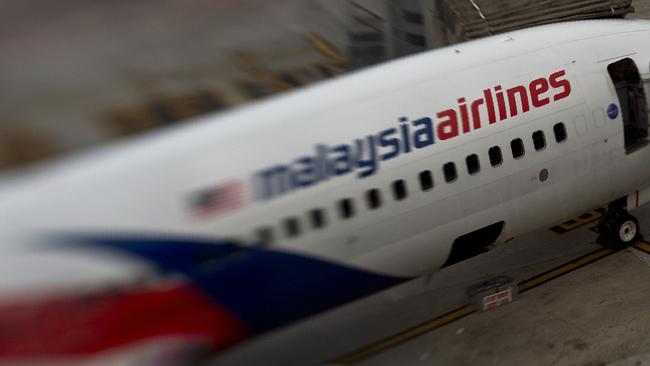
[(243, 222)]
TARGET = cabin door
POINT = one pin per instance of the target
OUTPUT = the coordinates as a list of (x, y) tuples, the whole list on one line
[(631, 91)]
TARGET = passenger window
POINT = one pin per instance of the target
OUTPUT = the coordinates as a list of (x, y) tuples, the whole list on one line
[(292, 227), (317, 218), (560, 132), (346, 208), (539, 141), (399, 189), (473, 165), (426, 180), (496, 159), (449, 169), (517, 147), (264, 236), (373, 198)]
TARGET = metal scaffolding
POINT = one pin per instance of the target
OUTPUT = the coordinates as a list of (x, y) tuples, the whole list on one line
[(470, 19)]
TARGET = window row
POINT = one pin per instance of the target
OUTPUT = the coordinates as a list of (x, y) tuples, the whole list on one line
[(373, 199), (495, 155)]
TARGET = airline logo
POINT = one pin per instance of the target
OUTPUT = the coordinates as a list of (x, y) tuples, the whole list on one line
[(363, 155)]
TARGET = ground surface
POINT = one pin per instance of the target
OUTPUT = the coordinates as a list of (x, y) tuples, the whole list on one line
[(596, 315)]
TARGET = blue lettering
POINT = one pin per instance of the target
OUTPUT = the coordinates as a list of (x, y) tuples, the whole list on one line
[(306, 174), (322, 164), (274, 181), (404, 127), (371, 162), (363, 154), (423, 136), (386, 139), (343, 164)]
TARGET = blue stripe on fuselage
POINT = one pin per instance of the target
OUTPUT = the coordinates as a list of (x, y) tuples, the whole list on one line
[(264, 288)]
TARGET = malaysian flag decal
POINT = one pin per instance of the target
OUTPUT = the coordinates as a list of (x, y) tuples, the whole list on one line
[(218, 200)]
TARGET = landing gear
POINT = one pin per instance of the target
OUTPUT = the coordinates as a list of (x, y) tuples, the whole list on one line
[(628, 229), (617, 228)]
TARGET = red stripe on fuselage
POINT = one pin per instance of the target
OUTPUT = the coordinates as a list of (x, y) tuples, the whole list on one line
[(86, 325)]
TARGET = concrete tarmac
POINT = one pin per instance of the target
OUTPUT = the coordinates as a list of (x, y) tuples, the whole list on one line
[(594, 316)]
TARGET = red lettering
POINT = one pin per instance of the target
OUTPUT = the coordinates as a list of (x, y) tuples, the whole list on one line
[(464, 118), (512, 101), (476, 116), (489, 103), (501, 103), (449, 127), (537, 88), (556, 83)]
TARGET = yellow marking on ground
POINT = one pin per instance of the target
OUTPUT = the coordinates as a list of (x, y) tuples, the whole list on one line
[(404, 336), (531, 283), (643, 246), (557, 272)]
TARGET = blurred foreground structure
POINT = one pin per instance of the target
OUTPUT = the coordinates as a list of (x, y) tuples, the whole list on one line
[(82, 73)]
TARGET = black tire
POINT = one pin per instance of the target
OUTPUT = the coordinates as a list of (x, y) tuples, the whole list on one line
[(627, 230)]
